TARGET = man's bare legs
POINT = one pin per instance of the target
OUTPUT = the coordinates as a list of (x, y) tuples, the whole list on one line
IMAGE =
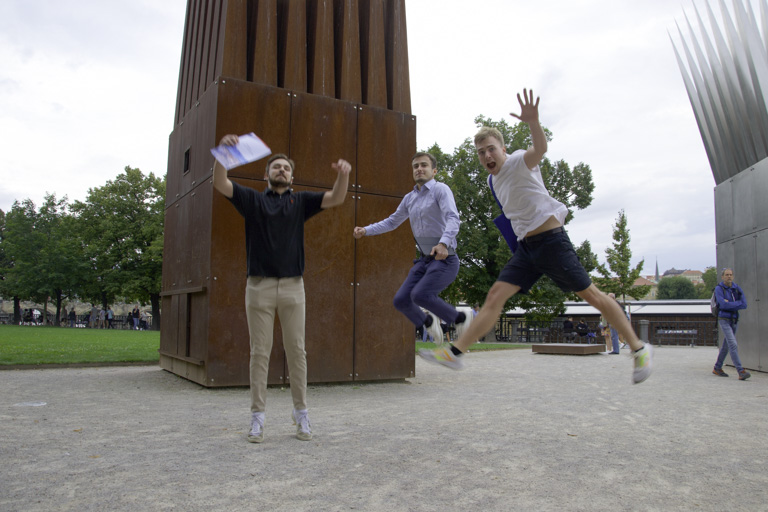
[(613, 313), (486, 318)]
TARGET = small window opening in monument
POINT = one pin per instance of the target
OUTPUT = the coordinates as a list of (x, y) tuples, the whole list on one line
[(186, 161)]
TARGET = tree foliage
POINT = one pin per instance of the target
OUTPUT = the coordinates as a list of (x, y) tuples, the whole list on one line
[(41, 256), (618, 277), (121, 227), (482, 250), (676, 287), (710, 278)]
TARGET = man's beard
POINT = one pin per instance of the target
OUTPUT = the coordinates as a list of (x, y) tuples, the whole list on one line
[(276, 184)]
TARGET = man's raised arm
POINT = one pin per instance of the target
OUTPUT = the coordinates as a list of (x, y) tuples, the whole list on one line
[(529, 114), (220, 180), (335, 196)]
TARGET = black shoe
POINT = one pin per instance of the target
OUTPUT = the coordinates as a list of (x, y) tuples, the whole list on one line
[(719, 373)]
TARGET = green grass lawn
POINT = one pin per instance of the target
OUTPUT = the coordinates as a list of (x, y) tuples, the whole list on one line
[(24, 344)]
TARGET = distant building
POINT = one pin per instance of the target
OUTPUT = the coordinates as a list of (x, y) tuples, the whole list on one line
[(694, 276), (642, 281)]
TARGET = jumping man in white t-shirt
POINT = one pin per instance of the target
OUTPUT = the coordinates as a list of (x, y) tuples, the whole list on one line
[(544, 246)]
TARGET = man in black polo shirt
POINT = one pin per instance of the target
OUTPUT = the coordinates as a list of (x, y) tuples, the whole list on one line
[(274, 243)]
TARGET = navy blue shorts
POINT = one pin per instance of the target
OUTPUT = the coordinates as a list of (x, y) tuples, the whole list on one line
[(546, 253)]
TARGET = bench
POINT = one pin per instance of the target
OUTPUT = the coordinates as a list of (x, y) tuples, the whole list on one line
[(574, 349), (676, 336)]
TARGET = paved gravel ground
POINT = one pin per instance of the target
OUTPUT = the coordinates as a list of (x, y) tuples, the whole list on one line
[(514, 431)]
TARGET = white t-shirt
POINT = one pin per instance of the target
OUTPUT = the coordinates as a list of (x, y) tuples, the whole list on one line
[(523, 196)]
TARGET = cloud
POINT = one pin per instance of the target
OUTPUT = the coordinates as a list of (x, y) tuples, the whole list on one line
[(89, 87)]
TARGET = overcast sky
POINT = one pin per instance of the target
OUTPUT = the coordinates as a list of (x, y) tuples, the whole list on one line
[(88, 87)]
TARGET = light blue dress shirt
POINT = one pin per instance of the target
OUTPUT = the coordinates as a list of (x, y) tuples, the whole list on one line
[(431, 211)]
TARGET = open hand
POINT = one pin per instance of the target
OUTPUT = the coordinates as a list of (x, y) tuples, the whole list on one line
[(529, 111)]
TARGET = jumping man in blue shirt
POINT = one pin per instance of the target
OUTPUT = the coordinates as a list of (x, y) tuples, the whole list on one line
[(434, 219)]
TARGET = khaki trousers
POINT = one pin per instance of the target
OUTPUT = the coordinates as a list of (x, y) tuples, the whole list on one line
[(265, 296)]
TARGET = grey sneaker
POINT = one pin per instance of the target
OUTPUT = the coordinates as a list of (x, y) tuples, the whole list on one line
[(443, 356), (744, 375), (643, 363), (256, 434), (463, 326), (303, 426), (435, 330), (719, 372)]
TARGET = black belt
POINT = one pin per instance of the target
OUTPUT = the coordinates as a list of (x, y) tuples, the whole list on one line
[(544, 234)]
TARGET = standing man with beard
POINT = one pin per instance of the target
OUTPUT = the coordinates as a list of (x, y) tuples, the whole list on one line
[(274, 240)]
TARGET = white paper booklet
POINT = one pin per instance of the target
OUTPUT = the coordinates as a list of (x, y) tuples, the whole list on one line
[(249, 148)]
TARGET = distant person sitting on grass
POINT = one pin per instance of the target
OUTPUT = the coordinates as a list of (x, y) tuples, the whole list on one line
[(544, 246)]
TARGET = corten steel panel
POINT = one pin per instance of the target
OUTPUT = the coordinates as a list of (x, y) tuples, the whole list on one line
[(196, 135), (322, 131), (347, 25), (245, 107), (384, 338), (387, 142), (328, 283), (201, 29), (373, 46), (197, 246), (175, 162), (228, 340), (232, 59), (186, 58), (182, 318), (204, 137), (177, 241), (169, 327), (178, 182), (292, 45), (198, 325), (171, 250), (398, 79), (263, 43), (321, 74), (213, 32)]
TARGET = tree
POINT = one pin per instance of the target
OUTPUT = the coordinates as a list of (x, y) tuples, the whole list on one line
[(676, 287), (482, 250), (618, 277), (43, 260), (710, 277), (121, 225)]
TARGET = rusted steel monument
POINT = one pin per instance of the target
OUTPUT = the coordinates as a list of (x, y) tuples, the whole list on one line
[(318, 80)]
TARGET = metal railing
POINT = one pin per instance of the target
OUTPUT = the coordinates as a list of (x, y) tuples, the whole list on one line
[(659, 332)]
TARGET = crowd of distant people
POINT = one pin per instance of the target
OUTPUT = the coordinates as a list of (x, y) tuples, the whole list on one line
[(95, 318)]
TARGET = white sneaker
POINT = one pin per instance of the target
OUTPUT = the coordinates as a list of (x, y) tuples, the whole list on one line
[(443, 356), (643, 363), (256, 434), (435, 330), (303, 427), (463, 326)]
